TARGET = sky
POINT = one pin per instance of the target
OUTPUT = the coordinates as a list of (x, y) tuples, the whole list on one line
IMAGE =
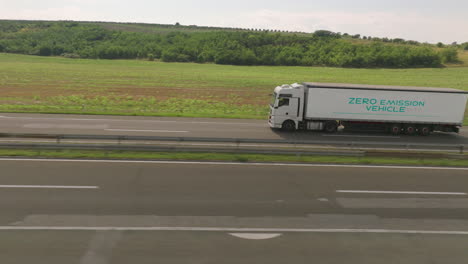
[(422, 20)]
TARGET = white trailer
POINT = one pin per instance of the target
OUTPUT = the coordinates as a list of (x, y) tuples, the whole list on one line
[(397, 109)]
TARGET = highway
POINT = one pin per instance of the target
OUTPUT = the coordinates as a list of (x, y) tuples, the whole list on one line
[(193, 127), (85, 211)]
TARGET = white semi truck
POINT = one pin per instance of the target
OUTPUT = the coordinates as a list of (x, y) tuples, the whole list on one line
[(396, 109)]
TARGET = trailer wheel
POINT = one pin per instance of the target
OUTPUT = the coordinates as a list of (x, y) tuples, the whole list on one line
[(395, 129), (288, 125), (331, 126), (424, 131), (410, 130)]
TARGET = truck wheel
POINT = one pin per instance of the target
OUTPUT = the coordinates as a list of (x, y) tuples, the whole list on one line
[(410, 130), (331, 126), (288, 125), (395, 129), (424, 131)]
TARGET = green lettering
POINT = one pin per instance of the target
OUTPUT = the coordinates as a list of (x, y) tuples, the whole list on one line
[(351, 100)]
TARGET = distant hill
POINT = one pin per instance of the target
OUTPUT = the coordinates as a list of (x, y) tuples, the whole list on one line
[(177, 43)]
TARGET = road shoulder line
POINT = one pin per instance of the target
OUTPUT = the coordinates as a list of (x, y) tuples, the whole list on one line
[(235, 163), (228, 229)]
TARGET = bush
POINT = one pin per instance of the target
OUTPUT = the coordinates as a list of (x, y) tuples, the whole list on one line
[(169, 56), (449, 55), (323, 48), (45, 51), (71, 55)]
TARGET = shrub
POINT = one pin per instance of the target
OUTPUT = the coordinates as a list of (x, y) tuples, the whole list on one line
[(45, 51), (71, 55), (237, 47), (449, 55)]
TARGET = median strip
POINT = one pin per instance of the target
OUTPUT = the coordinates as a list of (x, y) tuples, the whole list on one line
[(232, 158)]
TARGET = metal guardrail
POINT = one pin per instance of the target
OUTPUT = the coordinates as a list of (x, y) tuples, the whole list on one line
[(107, 147), (351, 145)]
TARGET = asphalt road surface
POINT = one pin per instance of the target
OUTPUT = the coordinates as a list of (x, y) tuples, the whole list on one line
[(193, 127), (58, 211)]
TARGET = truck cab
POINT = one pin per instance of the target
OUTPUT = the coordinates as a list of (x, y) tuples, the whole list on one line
[(287, 107)]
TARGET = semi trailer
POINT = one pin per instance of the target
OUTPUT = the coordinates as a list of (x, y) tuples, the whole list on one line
[(396, 109)]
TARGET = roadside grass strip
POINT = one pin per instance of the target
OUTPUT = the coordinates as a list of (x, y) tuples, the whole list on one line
[(227, 157)]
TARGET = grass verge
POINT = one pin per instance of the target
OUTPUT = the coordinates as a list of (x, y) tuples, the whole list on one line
[(92, 154)]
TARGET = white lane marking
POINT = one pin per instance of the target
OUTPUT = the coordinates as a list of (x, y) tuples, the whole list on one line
[(231, 229), (255, 236), (239, 164), (129, 120), (136, 130), (402, 192), (359, 136), (65, 126), (403, 203), (48, 187), (101, 247)]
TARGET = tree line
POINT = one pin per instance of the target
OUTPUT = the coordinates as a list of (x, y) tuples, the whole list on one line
[(235, 47)]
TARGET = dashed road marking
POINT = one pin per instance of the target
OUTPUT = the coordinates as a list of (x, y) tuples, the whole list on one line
[(358, 136), (402, 192), (153, 131)]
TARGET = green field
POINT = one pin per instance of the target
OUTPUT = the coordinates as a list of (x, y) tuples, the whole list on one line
[(133, 87)]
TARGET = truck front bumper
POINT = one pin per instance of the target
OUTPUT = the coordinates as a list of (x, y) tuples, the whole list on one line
[(273, 125)]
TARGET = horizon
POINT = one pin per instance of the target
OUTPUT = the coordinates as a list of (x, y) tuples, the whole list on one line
[(422, 21), (214, 26)]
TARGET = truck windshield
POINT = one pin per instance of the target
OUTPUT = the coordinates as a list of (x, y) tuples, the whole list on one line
[(273, 100)]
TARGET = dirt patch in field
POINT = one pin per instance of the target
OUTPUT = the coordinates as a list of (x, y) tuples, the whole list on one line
[(42, 91), (239, 96), (244, 96)]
